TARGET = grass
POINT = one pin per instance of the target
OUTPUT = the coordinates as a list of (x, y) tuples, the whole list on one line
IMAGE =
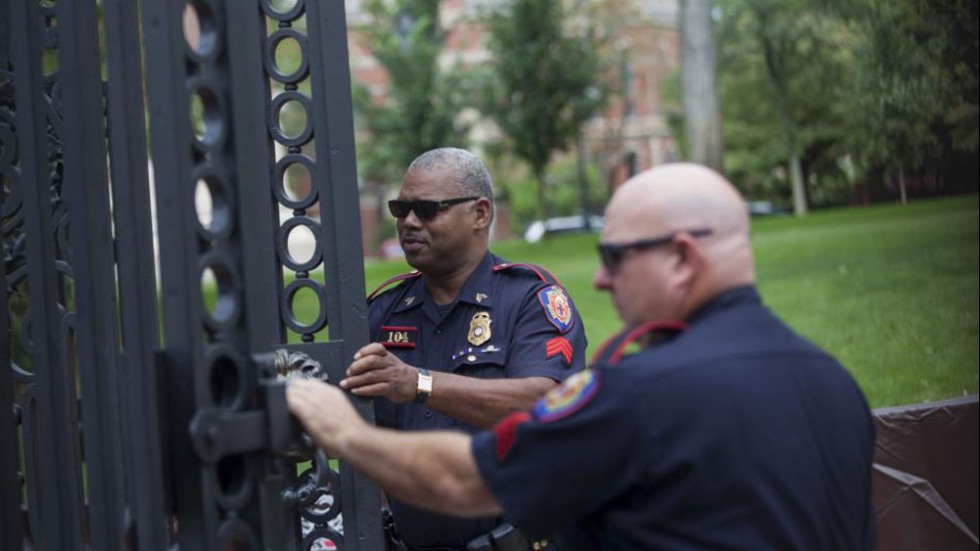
[(892, 291)]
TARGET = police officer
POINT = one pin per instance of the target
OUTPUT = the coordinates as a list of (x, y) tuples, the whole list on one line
[(466, 338), (725, 430)]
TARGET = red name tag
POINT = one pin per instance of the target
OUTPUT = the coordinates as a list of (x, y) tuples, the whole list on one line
[(399, 337)]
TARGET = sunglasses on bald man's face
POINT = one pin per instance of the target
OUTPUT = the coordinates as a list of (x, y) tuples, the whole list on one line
[(612, 254), (423, 208)]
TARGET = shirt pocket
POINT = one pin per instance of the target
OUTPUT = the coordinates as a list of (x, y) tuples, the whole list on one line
[(481, 363)]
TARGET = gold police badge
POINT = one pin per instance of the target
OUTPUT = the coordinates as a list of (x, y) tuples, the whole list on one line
[(479, 328)]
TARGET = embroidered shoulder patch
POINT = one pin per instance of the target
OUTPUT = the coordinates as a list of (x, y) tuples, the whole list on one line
[(577, 391), (557, 307)]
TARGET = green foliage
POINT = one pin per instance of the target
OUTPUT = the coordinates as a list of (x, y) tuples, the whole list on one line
[(562, 189), (423, 103), (916, 83), (784, 75), (542, 81), (866, 85)]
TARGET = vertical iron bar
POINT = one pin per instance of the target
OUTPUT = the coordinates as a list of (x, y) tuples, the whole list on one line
[(171, 149), (147, 488), (11, 533), (10, 517), (255, 201), (258, 211), (343, 259), (59, 503), (87, 197)]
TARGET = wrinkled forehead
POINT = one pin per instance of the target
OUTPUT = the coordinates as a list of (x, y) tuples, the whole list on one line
[(436, 183)]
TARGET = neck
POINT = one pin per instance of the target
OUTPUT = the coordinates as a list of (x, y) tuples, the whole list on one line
[(444, 287)]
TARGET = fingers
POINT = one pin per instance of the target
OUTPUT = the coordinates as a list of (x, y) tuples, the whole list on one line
[(324, 411), (372, 391), (371, 349)]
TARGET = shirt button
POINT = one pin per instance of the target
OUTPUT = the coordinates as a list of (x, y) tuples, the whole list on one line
[(438, 331)]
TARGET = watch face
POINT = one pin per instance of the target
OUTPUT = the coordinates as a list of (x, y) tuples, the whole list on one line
[(424, 387), (425, 383)]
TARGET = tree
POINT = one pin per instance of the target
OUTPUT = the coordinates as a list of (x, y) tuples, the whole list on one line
[(917, 81), (423, 102), (785, 68), (544, 79), (702, 115)]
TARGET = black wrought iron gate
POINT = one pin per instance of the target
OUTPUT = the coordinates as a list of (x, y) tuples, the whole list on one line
[(144, 411)]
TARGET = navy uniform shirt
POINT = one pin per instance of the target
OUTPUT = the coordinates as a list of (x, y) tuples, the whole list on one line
[(733, 434), (508, 321)]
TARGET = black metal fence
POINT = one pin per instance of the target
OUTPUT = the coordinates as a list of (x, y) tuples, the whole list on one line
[(144, 408)]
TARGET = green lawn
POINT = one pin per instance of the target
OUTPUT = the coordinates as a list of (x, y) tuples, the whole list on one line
[(892, 291)]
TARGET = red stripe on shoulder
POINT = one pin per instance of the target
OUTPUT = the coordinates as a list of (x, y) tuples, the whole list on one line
[(614, 347), (506, 432), (543, 274), (395, 279)]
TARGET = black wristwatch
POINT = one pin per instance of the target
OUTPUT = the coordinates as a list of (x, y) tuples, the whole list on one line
[(424, 387)]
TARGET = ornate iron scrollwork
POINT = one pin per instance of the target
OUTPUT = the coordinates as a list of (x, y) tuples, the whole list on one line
[(316, 496)]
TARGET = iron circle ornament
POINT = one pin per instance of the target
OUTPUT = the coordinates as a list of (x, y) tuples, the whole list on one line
[(228, 380), (282, 244), (288, 13), (272, 66), (279, 181), (329, 499), (209, 133), (222, 213), (234, 482), (275, 110), (315, 540), (226, 308), (288, 313), (238, 535), (208, 39)]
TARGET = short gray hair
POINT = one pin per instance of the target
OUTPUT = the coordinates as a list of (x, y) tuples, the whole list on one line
[(469, 171)]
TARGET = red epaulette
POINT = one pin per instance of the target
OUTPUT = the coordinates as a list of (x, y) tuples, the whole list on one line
[(543, 275), (611, 351), (395, 279)]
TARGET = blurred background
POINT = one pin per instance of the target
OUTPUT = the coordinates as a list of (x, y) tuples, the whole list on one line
[(804, 104)]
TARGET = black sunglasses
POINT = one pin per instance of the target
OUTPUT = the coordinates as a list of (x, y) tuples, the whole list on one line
[(424, 209), (612, 254)]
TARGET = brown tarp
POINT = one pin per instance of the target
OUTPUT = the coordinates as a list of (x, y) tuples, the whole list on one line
[(925, 476)]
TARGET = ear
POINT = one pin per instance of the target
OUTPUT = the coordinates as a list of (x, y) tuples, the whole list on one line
[(483, 209), (687, 260)]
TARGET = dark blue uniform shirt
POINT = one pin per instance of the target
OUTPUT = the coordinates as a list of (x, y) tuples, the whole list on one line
[(735, 434), (507, 322)]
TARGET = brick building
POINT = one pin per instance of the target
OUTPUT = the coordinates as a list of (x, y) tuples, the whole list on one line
[(630, 135)]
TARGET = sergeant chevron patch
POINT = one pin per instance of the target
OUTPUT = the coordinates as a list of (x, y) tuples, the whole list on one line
[(559, 345)]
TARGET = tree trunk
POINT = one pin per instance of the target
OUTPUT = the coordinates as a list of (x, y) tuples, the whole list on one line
[(796, 181), (583, 182), (901, 184), (701, 112)]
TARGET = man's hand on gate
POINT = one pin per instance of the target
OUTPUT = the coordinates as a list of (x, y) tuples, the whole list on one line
[(324, 411), (376, 372)]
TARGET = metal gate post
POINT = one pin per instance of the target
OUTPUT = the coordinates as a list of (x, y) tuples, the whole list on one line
[(50, 421)]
